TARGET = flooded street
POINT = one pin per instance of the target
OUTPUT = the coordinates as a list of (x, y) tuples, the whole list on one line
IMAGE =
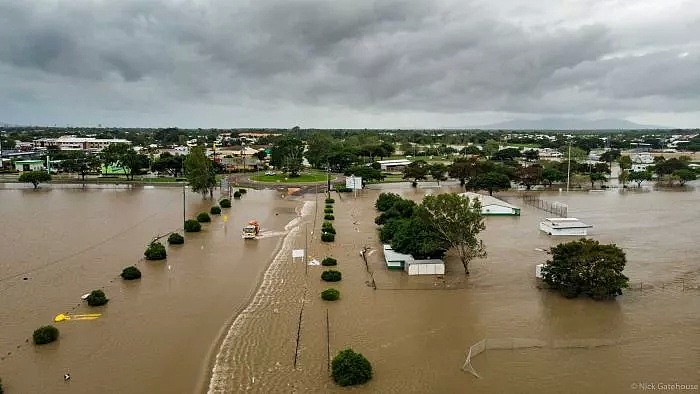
[(416, 331), (156, 333), (161, 334)]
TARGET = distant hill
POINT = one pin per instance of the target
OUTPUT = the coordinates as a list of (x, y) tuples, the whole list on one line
[(569, 124)]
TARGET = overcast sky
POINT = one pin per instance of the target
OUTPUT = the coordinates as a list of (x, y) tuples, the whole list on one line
[(347, 63)]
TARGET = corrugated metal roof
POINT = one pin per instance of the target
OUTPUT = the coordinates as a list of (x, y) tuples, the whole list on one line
[(391, 255), (488, 200)]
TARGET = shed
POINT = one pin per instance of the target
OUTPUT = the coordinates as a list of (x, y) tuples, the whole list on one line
[(29, 165), (425, 267), (564, 226), (393, 165), (395, 260), (493, 206)]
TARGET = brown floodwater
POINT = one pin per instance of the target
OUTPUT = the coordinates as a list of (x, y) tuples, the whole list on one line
[(196, 322), (156, 333), (416, 331)]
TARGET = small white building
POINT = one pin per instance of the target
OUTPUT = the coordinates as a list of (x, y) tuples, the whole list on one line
[(538, 271), (29, 165), (425, 267), (393, 165), (395, 260), (493, 206), (564, 226)]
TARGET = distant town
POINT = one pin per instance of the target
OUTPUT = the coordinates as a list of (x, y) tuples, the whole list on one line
[(528, 159)]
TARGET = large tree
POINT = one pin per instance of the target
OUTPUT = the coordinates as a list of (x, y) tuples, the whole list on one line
[(684, 175), (551, 175), (287, 154), (168, 163), (437, 172), (639, 177), (464, 169), (417, 170), (491, 181), (35, 177), (81, 163), (200, 172), (586, 267), (122, 155), (597, 177), (530, 175), (458, 221)]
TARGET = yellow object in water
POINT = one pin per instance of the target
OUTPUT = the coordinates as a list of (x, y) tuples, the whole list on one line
[(87, 316)]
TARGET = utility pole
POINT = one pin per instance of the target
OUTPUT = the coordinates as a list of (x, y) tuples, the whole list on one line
[(306, 249), (328, 177), (568, 169), (184, 184)]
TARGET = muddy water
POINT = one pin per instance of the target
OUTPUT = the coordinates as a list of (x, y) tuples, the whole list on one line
[(156, 334), (416, 331)]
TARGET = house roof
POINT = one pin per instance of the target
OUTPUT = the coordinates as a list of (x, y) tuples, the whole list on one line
[(391, 255), (488, 200)]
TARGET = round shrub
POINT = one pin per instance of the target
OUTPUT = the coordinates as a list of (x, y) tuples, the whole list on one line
[(177, 239), (328, 210), (242, 191), (329, 261), (331, 276), (330, 294), (203, 217), (192, 226), (97, 298), (326, 225), (328, 217), (155, 251), (237, 195), (215, 210), (329, 230), (327, 237), (44, 335), (349, 368), (131, 273), (329, 206), (330, 201), (225, 203)]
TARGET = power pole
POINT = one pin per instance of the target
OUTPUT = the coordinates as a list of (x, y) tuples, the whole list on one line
[(568, 169)]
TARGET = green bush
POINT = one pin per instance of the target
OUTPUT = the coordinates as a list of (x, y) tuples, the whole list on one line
[(242, 191), (45, 334), (329, 261), (155, 251), (1, 390), (97, 298), (326, 225), (203, 217), (215, 210), (225, 203), (329, 230), (328, 210), (237, 195), (331, 276), (330, 294), (330, 201), (349, 368), (192, 226), (131, 273), (329, 206), (327, 237), (328, 217), (177, 239)]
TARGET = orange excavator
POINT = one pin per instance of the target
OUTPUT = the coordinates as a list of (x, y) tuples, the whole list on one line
[(251, 230)]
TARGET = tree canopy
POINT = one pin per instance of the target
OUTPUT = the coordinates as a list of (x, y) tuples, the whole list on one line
[(200, 172), (417, 170), (287, 154), (491, 181), (35, 177), (586, 267), (458, 221)]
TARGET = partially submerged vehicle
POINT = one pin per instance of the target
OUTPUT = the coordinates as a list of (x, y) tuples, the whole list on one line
[(251, 230)]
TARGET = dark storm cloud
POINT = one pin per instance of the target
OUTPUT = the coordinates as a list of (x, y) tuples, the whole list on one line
[(393, 56)]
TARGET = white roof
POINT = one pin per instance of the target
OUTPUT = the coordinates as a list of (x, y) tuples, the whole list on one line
[(390, 255), (397, 161), (488, 200), (566, 223)]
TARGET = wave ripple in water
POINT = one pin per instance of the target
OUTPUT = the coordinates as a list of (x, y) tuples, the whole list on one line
[(232, 370)]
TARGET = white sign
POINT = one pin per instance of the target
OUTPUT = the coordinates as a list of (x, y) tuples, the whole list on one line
[(353, 182), (297, 253)]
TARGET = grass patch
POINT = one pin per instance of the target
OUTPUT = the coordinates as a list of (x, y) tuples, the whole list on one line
[(283, 178)]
